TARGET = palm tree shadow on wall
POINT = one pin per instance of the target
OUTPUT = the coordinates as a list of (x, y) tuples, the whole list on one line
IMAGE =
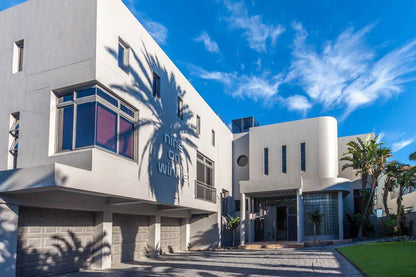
[(66, 254), (162, 117)]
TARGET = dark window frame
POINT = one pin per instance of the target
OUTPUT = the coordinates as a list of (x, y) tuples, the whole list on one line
[(284, 159), (156, 85), (124, 61), (266, 161), (303, 157), (180, 108)]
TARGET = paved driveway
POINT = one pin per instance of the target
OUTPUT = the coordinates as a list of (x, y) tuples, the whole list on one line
[(281, 262)]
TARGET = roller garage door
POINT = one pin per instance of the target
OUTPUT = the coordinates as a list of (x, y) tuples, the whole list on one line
[(130, 237), (170, 235), (52, 241)]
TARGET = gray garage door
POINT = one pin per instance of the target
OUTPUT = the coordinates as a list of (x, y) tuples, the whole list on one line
[(52, 241), (130, 237), (170, 234)]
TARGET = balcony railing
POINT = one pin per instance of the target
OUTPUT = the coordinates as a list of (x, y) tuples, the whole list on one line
[(205, 192)]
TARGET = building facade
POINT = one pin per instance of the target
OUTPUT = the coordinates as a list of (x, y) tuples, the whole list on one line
[(110, 155)]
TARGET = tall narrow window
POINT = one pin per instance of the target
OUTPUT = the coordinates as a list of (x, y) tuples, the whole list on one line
[(302, 156), (14, 138), (180, 108), (156, 85), (266, 161), (18, 56), (213, 138), (284, 164), (123, 55), (198, 125)]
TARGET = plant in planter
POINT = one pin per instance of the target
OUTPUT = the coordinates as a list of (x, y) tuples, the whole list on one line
[(232, 224)]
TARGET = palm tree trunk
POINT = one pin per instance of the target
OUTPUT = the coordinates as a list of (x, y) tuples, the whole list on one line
[(385, 198), (399, 210), (367, 207), (233, 237), (314, 233)]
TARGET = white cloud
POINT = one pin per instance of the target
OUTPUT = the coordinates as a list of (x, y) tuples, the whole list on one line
[(209, 44), (158, 31), (397, 146), (346, 74), (256, 32), (298, 103), (258, 88)]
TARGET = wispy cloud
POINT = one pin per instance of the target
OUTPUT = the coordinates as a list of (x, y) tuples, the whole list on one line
[(209, 44), (158, 31), (397, 146), (298, 103), (256, 32), (346, 72), (258, 88)]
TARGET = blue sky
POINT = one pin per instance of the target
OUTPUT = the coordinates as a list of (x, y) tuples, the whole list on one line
[(287, 60)]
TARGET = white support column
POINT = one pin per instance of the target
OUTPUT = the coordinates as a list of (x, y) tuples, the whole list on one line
[(242, 219), (251, 218), (185, 234), (300, 214), (340, 215), (153, 245), (9, 215), (103, 239)]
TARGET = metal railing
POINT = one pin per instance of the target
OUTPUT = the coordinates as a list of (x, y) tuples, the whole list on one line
[(205, 192)]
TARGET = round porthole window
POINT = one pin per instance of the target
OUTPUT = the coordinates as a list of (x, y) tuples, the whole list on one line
[(242, 160)]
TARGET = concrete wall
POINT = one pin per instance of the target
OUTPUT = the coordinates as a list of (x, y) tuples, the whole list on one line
[(240, 147)]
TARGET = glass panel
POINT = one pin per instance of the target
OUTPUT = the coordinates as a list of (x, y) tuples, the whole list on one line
[(302, 157), (106, 128), (209, 176), (284, 169), (327, 205), (156, 85), (266, 161), (66, 127), (121, 56), (66, 98), (200, 172), (127, 110), (107, 97), (126, 138), (85, 92), (85, 124)]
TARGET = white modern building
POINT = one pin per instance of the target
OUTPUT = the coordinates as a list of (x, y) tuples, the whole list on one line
[(108, 154)]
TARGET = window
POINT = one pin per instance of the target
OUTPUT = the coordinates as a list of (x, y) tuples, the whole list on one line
[(266, 161), (224, 202), (18, 56), (198, 125), (92, 117), (213, 137), (408, 210), (327, 204), (14, 139), (156, 85), (284, 161), (180, 108), (379, 212), (242, 160), (302, 156), (123, 55), (205, 170), (236, 205)]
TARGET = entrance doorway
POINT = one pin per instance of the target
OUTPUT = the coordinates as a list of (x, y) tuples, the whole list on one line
[(281, 223)]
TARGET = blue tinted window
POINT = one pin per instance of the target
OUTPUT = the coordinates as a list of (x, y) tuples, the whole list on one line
[(121, 56), (266, 161), (67, 118), (127, 110), (106, 128), (302, 157), (107, 97), (284, 164), (85, 124), (85, 92), (68, 97)]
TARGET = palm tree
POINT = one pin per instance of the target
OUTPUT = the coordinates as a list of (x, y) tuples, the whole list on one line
[(406, 180), (368, 159), (412, 156), (391, 173), (316, 218), (232, 224)]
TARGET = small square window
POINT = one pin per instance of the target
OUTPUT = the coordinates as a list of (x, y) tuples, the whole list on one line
[(156, 85), (123, 55)]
